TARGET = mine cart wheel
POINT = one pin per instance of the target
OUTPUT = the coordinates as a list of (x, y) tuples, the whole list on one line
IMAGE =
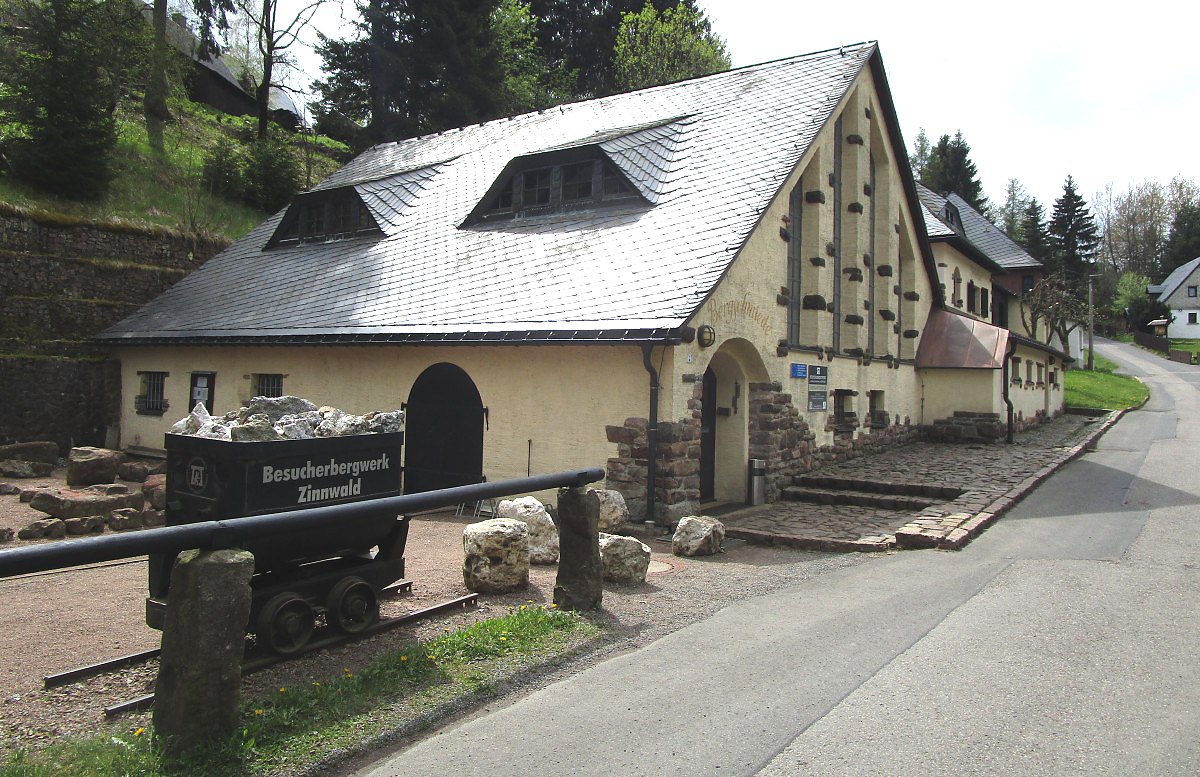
[(352, 605), (285, 623)]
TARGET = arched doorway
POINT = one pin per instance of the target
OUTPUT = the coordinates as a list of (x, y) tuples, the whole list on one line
[(724, 420), (443, 431)]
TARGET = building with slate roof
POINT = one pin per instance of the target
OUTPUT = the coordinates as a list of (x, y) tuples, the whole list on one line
[(667, 282), (1178, 293), (981, 331)]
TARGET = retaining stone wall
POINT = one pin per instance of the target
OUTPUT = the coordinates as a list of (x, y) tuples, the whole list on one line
[(69, 401), (63, 280)]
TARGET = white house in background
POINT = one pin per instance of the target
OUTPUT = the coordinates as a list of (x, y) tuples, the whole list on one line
[(1181, 293)]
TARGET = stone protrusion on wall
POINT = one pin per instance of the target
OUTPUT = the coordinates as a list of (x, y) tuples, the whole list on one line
[(887, 315), (855, 207), (884, 270), (912, 296), (854, 319), (817, 261), (677, 475), (816, 197), (967, 427), (814, 302)]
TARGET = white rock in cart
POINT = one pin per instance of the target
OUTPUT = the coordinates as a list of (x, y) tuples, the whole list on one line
[(624, 559), (256, 428), (384, 421), (274, 408), (543, 534), (496, 556), (351, 424), (216, 430), (295, 429)]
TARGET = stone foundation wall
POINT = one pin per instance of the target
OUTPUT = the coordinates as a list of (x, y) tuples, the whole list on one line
[(677, 479), (980, 427), (779, 434)]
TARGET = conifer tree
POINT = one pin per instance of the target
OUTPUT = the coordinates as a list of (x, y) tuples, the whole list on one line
[(1183, 245), (949, 169), (1073, 237), (1032, 231), (1013, 209)]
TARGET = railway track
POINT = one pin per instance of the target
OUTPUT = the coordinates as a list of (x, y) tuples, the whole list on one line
[(254, 663)]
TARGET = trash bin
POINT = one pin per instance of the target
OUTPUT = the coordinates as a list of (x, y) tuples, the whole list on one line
[(756, 482)]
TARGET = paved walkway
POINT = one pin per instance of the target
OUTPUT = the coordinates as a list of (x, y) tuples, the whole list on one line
[(991, 478)]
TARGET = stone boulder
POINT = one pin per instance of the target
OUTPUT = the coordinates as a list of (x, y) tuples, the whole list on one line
[(697, 535), (6, 535), (65, 503), (87, 466), (496, 556), (125, 518), (45, 527), (625, 559), (27, 494), (152, 517), (135, 471), (17, 468), (155, 491), (543, 534), (9, 488), (614, 514), (86, 524), (44, 452)]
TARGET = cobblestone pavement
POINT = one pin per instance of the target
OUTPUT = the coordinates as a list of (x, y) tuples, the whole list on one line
[(991, 477)]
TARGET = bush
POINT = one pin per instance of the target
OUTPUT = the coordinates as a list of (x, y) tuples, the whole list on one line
[(224, 168), (272, 176)]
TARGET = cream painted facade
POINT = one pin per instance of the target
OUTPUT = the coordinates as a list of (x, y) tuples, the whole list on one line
[(529, 391), (960, 277)]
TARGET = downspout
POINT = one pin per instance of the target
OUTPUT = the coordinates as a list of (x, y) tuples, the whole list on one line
[(1008, 352), (651, 434)]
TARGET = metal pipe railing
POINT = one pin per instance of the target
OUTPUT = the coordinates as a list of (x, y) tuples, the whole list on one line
[(234, 531)]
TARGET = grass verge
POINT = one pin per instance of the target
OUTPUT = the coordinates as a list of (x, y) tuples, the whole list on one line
[(1101, 388), (296, 727)]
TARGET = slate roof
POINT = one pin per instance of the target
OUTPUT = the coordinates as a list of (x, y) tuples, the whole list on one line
[(706, 154), (1174, 280), (981, 233)]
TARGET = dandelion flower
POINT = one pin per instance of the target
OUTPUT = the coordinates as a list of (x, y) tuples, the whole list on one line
[(403, 658), (283, 690), (258, 712), (504, 639), (140, 730)]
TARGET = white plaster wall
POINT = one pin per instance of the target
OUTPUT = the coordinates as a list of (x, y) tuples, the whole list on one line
[(558, 397)]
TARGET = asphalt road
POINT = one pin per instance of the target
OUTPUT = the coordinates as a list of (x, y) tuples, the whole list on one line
[(1062, 641)]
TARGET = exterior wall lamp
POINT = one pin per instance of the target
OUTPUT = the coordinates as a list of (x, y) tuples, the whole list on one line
[(706, 336)]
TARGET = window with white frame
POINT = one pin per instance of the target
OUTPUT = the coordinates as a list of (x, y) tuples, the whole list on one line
[(151, 398)]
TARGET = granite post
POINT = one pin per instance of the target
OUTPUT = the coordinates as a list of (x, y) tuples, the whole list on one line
[(200, 672), (579, 582)]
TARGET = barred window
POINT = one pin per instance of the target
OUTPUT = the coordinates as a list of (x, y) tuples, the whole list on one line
[(268, 384), (151, 398)]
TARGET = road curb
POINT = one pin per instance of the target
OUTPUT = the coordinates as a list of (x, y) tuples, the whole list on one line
[(957, 538)]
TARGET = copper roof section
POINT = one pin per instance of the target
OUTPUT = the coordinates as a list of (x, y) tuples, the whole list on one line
[(955, 341)]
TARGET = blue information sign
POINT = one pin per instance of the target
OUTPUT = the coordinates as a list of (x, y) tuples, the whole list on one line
[(799, 370)]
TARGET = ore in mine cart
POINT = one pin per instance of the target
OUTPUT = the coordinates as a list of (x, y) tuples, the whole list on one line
[(298, 574)]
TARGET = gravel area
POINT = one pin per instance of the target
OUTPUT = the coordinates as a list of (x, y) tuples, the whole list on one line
[(58, 621)]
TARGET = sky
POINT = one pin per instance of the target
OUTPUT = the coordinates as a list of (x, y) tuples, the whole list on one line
[(1106, 92)]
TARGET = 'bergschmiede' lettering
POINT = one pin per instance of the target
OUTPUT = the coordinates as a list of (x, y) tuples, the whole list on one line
[(334, 468)]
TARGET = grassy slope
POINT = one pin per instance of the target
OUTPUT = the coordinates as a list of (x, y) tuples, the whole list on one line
[(1101, 388), (164, 190)]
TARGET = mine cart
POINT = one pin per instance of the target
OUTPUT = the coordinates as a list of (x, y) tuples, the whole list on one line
[(298, 574)]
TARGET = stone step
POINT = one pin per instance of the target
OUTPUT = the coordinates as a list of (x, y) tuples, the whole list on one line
[(833, 483), (856, 498)]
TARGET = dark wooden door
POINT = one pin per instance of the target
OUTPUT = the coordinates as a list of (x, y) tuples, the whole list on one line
[(708, 436), (443, 431)]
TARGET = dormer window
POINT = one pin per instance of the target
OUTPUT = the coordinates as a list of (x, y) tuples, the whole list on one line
[(952, 219), (554, 188), (323, 216)]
